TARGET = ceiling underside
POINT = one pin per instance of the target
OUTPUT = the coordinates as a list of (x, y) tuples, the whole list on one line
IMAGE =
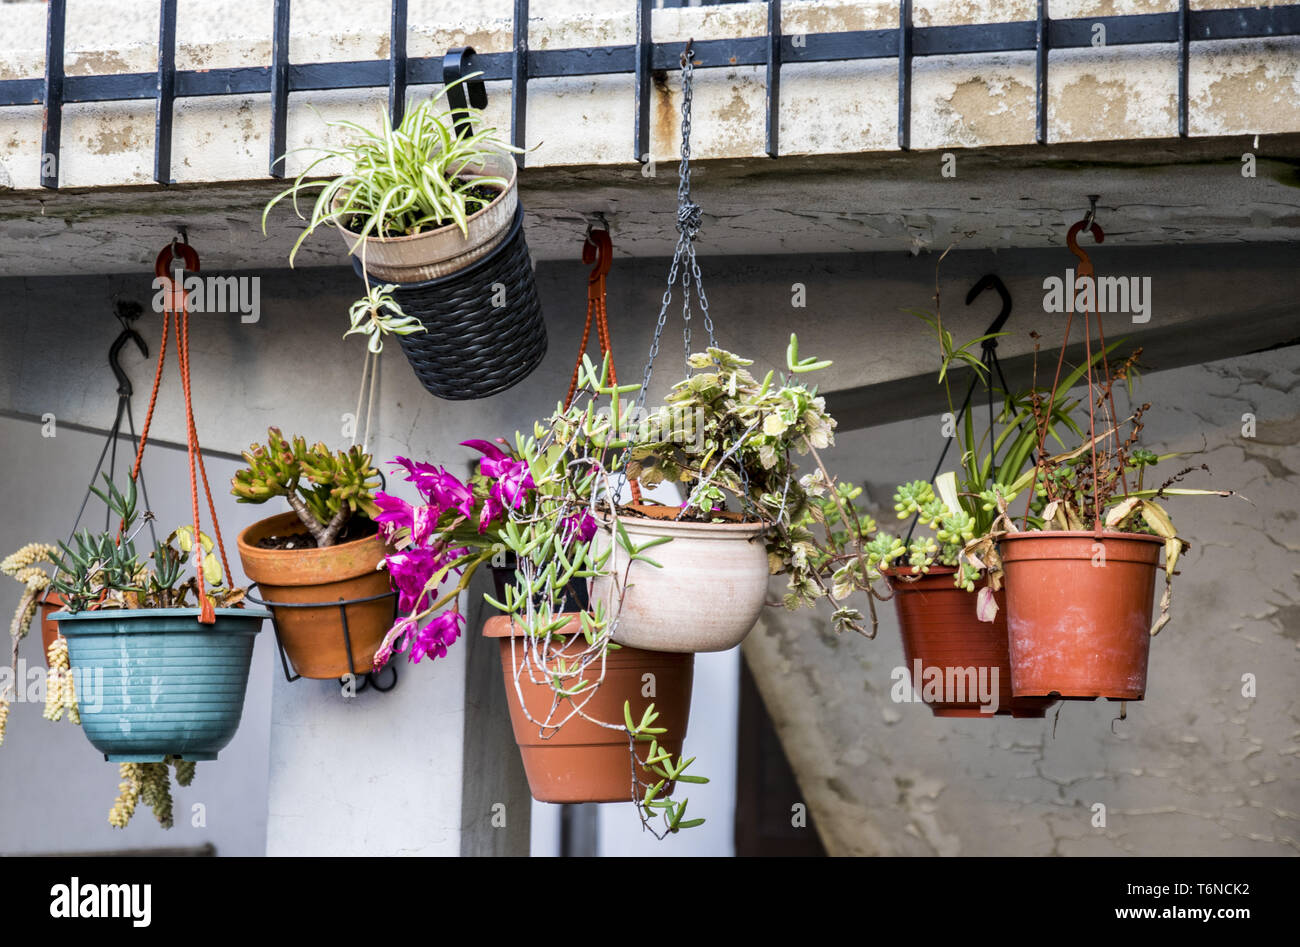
[(1151, 193)]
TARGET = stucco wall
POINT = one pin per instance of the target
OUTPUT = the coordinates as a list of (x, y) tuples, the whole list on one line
[(1235, 87)]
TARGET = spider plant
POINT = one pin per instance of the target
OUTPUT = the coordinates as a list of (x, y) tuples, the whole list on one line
[(420, 175), (378, 314)]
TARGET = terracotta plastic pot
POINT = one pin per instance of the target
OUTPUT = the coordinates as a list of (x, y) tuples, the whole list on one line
[(1079, 625), (313, 637), (154, 682), (941, 630), (50, 603), (446, 250), (582, 761), (707, 594)]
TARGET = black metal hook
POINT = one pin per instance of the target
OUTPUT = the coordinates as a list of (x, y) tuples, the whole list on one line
[(461, 96), (992, 280), (127, 313)]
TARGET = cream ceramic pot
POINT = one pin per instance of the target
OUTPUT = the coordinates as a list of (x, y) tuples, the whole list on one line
[(706, 597), (437, 253)]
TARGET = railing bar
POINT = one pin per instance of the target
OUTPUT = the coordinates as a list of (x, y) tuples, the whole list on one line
[(1184, 35), (519, 86), (773, 128), (905, 74), (52, 126), (644, 52), (1042, 42), (165, 87), (397, 63), (279, 88)]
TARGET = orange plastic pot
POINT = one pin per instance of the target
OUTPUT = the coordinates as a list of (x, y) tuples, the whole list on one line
[(941, 630), (50, 603), (582, 761), (313, 637), (1079, 612)]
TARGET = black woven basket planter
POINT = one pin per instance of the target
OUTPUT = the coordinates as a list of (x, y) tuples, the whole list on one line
[(471, 348)]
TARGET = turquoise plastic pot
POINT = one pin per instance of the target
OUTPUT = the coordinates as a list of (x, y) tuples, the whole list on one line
[(156, 683)]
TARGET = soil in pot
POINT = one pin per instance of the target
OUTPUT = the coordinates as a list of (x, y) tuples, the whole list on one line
[(707, 593), (582, 761), (1079, 612), (302, 574), (940, 629)]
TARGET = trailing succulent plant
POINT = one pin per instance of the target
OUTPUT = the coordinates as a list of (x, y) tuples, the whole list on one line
[(325, 489), (103, 570), (26, 566), (149, 783)]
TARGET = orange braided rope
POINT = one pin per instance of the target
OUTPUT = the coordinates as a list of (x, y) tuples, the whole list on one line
[(599, 250)]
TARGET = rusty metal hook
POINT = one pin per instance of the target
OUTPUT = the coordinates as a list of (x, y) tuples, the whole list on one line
[(1071, 241), (598, 249)]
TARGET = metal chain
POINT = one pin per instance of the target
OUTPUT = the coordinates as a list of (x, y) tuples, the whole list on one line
[(689, 219)]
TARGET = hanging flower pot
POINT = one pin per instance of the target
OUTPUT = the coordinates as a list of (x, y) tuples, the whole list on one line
[(940, 629), (583, 761), (707, 594), (313, 638), (436, 232), (481, 327), (1079, 612), (432, 254), (164, 684)]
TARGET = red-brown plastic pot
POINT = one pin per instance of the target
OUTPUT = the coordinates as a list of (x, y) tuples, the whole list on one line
[(313, 637), (582, 761), (50, 603), (941, 630), (1079, 612)]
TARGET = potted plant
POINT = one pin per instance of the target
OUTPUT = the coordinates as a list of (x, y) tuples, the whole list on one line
[(725, 437), (430, 210), (131, 625), (1080, 565), (588, 729), (326, 549), (941, 595)]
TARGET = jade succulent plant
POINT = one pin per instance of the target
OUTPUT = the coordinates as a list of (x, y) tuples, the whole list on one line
[(325, 489)]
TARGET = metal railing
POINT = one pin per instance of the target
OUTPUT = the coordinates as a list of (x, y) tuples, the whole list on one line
[(904, 43)]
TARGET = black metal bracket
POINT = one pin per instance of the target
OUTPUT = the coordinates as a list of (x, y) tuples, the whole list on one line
[(127, 313), (458, 63), (992, 281), (989, 358), (369, 678)]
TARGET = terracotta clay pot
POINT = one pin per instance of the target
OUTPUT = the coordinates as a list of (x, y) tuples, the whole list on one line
[(582, 761), (313, 637), (445, 250), (940, 629), (50, 603), (706, 596), (1079, 628)]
